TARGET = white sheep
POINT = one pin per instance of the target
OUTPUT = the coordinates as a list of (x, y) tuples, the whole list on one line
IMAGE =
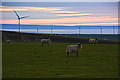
[(73, 49), (93, 41), (8, 41), (46, 41)]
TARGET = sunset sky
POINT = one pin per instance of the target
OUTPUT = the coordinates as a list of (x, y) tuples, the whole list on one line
[(61, 13), (60, 0)]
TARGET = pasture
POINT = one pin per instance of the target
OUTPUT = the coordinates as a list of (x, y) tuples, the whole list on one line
[(30, 60)]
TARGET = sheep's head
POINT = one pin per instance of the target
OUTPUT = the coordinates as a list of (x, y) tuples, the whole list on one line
[(96, 39), (80, 46)]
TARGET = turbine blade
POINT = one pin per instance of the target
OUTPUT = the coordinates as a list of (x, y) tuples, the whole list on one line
[(24, 17), (16, 14)]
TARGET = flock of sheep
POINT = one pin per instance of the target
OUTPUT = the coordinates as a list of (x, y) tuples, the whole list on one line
[(70, 48)]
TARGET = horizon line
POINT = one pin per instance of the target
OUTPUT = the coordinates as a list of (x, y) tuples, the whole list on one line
[(63, 25)]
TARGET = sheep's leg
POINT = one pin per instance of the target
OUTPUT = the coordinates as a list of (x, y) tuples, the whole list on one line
[(94, 44), (48, 44), (89, 44), (76, 53), (42, 44), (67, 53)]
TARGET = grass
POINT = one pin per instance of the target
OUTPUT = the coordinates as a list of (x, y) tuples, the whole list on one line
[(30, 60)]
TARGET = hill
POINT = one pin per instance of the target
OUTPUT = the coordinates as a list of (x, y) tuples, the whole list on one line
[(16, 36)]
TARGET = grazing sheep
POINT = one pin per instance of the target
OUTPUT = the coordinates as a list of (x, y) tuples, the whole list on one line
[(105, 38), (73, 49), (8, 41), (93, 41), (46, 41)]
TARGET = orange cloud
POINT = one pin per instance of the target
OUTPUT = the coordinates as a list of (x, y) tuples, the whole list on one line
[(59, 21), (29, 9), (84, 14), (42, 9), (65, 12), (13, 9)]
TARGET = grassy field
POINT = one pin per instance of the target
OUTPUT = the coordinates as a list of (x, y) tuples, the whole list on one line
[(30, 60)]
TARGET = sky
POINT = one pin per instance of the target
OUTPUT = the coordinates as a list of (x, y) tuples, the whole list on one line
[(60, 0), (61, 13)]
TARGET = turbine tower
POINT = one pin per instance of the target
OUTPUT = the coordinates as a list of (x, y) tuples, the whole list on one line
[(79, 29), (19, 18), (101, 30), (113, 29)]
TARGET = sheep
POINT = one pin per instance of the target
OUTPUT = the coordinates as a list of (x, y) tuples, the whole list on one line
[(46, 41), (8, 41), (73, 49), (105, 38), (93, 41)]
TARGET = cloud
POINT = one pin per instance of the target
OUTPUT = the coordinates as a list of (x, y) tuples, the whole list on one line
[(13, 9), (60, 12), (65, 12), (63, 15), (83, 14), (63, 21), (42, 8), (69, 13), (6, 8)]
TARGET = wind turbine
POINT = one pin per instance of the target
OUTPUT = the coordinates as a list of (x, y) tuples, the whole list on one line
[(101, 30), (51, 28), (19, 18), (79, 29), (113, 29)]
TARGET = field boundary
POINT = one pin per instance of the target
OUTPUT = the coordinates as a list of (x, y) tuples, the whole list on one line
[(16, 36)]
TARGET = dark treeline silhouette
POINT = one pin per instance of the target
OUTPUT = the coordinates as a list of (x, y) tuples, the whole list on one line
[(15, 36)]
